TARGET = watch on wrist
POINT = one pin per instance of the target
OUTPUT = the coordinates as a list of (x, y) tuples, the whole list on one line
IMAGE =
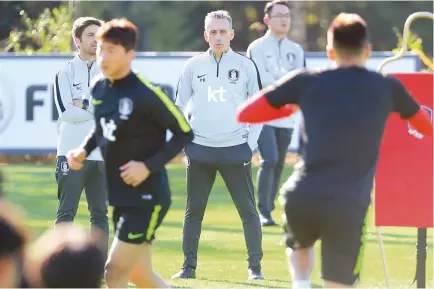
[(85, 103)]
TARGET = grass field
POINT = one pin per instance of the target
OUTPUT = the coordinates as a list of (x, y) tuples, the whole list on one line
[(222, 253)]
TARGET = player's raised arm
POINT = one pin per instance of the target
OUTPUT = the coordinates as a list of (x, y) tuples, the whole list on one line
[(89, 143), (408, 108), (274, 101), (165, 112), (77, 156)]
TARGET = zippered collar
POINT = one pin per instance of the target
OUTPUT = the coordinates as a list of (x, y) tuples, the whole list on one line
[(229, 53), (84, 62), (269, 35), (225, 55)]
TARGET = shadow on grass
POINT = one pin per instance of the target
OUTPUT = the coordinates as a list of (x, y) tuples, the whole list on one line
[(371, 239), (173, 224), (254, 284), (401, 243)]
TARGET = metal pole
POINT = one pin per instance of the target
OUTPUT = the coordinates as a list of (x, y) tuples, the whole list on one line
[(421, 232), (420, 276)]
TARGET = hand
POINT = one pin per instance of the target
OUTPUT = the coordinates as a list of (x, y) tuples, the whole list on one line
[(75, 158), (134, 173), (78, 103)]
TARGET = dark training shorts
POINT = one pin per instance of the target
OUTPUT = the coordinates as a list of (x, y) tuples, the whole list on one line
[(339, 225), (137, 225)]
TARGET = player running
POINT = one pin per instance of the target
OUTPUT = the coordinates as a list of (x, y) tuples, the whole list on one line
[(345, 112), (132, 117)]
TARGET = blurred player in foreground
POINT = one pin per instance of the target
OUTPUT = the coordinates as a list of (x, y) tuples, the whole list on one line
[(13, 238), (345, 111), (76, 119), (132, 117), (67, 257), (275, 55)]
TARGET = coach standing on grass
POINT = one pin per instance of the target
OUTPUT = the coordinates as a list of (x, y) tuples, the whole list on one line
[(75, 121), (275, 55), (211, 87)]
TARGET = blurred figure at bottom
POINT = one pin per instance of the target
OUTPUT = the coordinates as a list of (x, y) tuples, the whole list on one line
[(12, 242), (67, 257)]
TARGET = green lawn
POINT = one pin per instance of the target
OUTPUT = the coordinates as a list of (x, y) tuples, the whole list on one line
[(222, 253)]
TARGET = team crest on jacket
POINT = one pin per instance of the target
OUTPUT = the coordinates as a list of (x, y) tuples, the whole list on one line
[(291, 57), (125, 107), (233, 75), (64, 167), (414, 132)]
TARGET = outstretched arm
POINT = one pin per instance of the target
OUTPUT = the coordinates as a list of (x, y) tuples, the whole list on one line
[(275, 101), (409, 109), (259, 110)]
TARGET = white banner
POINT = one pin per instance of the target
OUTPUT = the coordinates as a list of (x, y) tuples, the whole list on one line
[(28, 114)]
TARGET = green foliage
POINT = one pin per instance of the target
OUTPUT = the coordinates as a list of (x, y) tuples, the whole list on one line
[(50, 32), (414, 44)]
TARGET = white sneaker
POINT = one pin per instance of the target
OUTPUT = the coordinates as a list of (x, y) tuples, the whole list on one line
[(301, 285)]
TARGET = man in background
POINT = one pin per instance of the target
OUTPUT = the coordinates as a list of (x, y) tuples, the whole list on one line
[(211, 87), (75, 121), (275, 55)]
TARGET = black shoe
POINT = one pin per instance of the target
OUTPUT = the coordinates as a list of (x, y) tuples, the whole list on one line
[(185, 273), (255, 273), (267, 221)]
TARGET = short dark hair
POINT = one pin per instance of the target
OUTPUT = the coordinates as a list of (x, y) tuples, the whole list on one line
[(119, 31), (349, 33), (82, 23), (269, 6), (70, 267), (12, 240)]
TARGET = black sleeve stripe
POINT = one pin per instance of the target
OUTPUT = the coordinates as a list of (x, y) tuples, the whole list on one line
[(257, 71), (175, 97), (58, 96)]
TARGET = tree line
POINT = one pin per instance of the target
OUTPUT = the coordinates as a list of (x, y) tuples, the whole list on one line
[(42, 26)]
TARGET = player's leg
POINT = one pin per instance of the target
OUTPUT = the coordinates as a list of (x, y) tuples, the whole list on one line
[(129, 257), (267, 147), (301, 230), (200, 179), (96, 194), (120, 263), (70, 184), (238, 180), (283, 139), (342, 234), (143, 276)]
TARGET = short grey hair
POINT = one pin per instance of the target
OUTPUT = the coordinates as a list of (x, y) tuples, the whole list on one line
[(219, 14)]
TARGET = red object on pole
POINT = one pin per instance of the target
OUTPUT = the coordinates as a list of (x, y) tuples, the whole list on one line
[(404, 181)]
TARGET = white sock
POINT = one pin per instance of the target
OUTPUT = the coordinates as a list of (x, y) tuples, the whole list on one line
[(301, 284)]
